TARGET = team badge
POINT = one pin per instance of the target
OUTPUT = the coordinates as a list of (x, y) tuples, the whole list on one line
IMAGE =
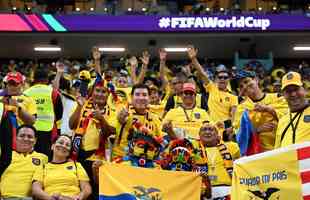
[(307, 118), (197, 115), (289, 76), (70, 167), (36, 161)]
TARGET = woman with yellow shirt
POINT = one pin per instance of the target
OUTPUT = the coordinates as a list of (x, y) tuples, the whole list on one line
[(61, 179)]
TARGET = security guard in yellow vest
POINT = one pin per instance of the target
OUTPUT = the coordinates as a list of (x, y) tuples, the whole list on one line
[(50, 109)]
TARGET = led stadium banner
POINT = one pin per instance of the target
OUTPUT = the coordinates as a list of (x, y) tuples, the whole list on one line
[(138, 23)]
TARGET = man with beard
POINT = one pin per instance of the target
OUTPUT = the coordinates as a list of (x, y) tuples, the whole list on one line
[(294, 126), (138, 111)]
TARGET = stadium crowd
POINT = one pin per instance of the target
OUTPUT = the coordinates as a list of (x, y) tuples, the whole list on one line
[(61, 121)]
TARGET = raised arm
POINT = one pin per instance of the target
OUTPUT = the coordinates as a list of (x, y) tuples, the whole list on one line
[(192, 54), (145, 59), (96, 56), (60, 71), (162, 66)]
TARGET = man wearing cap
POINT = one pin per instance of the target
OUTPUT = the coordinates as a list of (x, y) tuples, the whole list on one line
[(294, 126), (14, 99), (265, 109), (185, 120), (50, 110), (221, 102)]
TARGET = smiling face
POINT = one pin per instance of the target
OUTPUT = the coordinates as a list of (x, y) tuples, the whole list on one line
[(25, 140), (249, 87), (100, 95), (140, 98), (222, 80), (62, 147), (295, 97), (208, 135)]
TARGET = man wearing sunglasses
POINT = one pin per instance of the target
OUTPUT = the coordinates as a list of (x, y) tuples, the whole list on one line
[(185, 120), (265, 109), (221, 102)]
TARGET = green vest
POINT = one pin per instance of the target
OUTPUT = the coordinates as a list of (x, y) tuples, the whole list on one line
[(42, 94)]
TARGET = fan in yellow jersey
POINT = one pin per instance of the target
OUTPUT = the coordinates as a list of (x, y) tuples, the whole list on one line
[(187, 119), (24, 106), (294, 127), (139, 111), (61, 178), (221, 102), (156, 105), (214, 157), (265, 109), (16, 181)]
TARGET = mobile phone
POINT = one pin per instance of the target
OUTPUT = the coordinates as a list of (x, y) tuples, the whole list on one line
[(84, 88), (227, 123)]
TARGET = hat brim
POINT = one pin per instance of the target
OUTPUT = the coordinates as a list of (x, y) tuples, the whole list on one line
[(291, 83)]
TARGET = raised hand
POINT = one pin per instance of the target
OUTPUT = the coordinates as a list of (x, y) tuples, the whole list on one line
[(133, 61), (162, 54), (96, 53), (145, 59), (192, 52)]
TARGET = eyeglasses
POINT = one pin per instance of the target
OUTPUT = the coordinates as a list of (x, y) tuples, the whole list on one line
[(223, 77)]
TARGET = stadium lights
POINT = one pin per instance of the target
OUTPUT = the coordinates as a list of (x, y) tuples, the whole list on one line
[(28, 8), (105, 9), (175, 49), (14, 8), (78, 9), (260, 8), (91, 9), (144, 9), (301, 48), (207, 9), (274, 8), (129, 9), (221, 9), (112, 49), (47, 48)]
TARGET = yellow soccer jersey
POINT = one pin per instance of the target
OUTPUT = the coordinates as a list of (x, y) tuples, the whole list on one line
[(220, 103), (61, 178), (27, 104), (150, 120), (158, 109), (188, 120), (302, 125), (90, 140), (215, 163), (258, 118), (16, 181)]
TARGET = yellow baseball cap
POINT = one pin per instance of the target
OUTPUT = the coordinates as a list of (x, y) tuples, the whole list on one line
[(85, 75), (291, 78)]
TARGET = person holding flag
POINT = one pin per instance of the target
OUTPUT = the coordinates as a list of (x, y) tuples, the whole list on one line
[(257, 116)]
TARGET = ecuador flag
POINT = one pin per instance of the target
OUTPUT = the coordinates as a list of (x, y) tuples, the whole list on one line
[(274, 175), (121, 182)]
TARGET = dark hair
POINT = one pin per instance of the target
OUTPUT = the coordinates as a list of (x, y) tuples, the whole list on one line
[(27, 126), (140, 86), (41, 74)]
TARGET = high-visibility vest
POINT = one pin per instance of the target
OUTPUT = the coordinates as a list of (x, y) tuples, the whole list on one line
[(1, 110), (42, 94)]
